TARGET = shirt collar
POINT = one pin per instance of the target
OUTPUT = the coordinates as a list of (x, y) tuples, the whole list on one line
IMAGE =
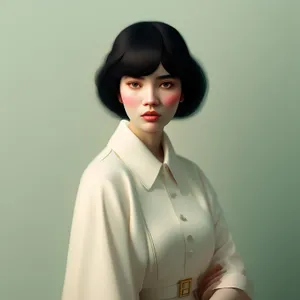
[(139, 159)]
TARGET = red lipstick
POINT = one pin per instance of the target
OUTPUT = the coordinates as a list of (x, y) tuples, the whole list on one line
[(151, 113), (151, 116)]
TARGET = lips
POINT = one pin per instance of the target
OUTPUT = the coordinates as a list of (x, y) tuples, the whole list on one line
[(151, 113)]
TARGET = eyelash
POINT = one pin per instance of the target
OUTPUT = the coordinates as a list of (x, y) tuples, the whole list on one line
[(170, 84), (133, 82)]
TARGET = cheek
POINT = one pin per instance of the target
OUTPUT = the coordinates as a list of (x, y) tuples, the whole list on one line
[(129, 101), (172, 99)]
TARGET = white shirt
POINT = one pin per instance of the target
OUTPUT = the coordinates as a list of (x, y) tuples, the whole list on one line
[(140, 226)]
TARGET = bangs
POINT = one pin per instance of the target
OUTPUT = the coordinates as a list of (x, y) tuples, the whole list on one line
[(145, 51), (137, 63)]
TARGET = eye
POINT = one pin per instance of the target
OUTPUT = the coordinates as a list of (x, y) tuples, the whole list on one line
[(167, 85), (134, 84)]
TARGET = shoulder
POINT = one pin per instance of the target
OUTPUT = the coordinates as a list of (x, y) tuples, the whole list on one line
[(199, 175), (103, 184), (192, 168), (187, 163), (106, 169), (101, 191)]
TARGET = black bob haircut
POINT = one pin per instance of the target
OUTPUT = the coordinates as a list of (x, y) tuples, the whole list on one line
[(137, 51)]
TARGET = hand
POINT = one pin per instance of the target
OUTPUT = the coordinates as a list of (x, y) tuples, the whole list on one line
[(210, 279)]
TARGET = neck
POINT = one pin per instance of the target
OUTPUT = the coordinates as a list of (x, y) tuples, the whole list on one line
[(153, 141)]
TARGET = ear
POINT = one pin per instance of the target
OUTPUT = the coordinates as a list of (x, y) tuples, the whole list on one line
[(181, 97), (120, 99)]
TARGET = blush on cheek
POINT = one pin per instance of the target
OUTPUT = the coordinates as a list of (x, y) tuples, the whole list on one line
[(129, 101), (172, 99)]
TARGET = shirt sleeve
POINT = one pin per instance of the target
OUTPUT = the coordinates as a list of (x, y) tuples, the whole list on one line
[(225, 250), (101, 262)]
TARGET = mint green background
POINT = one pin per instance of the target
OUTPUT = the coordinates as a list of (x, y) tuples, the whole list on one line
[(246, 138)]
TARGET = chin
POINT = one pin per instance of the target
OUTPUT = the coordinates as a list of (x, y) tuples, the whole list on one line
[(146, 127), (153, 127)]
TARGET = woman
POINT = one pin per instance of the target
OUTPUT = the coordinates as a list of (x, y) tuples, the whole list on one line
[(147, 224)]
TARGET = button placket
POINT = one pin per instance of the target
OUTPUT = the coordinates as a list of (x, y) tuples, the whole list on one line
[(171, 188), (169, 183), (190, 238)]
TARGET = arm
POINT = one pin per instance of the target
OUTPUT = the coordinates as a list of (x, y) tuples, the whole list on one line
[(233, 284), (100, 263)]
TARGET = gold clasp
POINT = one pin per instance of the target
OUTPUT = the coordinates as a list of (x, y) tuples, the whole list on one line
[(185, 287)]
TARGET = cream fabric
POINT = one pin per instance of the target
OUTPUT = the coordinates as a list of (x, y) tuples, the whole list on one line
[(140, 226)]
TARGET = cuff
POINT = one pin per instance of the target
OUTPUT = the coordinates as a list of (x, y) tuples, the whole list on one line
[(237, 281)]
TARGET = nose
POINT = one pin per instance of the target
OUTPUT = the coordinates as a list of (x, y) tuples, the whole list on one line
[(151, 98)]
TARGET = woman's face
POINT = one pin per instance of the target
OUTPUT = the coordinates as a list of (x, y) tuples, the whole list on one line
[(157, 92)]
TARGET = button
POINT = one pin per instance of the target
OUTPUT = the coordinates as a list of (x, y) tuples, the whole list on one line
[(173, 195), (183, 218), (190, 238)]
